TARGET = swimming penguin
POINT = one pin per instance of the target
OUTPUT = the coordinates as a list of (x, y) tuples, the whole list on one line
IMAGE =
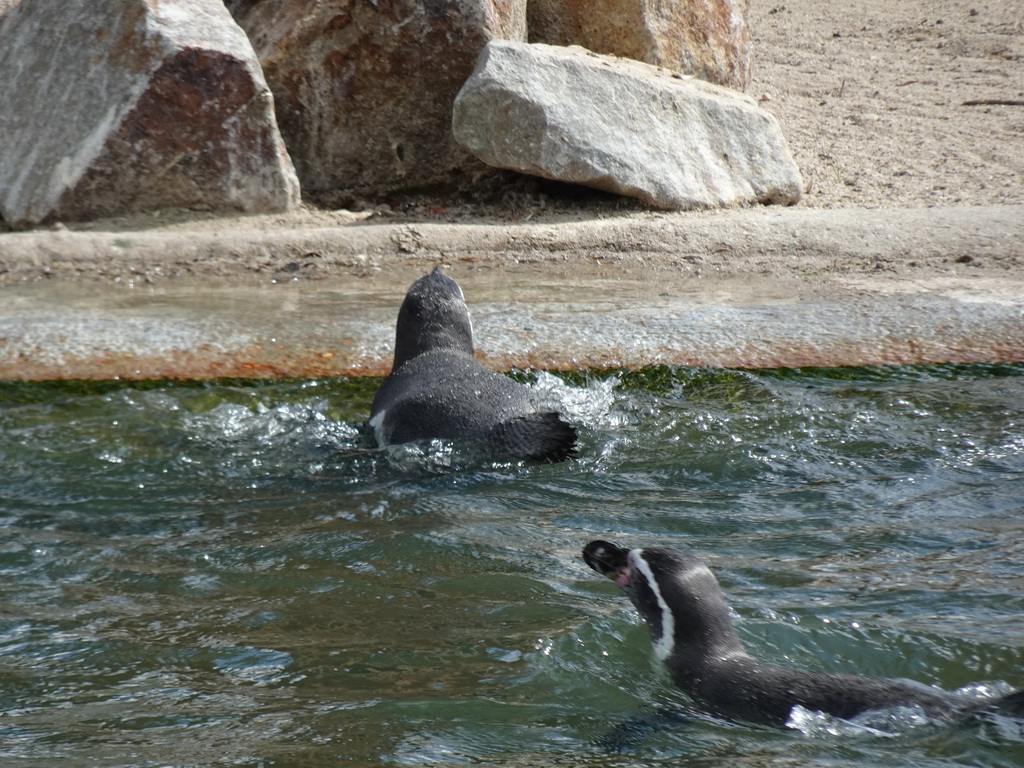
[(436, 389), (693, 635)]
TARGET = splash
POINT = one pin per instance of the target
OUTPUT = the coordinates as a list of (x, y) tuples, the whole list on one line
[(885, 722), (590, 406)]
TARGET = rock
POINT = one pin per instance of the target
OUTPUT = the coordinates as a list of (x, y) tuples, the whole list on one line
[(364, 91), (622, 126), (117, 106), (706, 38)]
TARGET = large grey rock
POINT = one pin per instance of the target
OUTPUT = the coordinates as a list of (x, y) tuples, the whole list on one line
[(706, 38), (115, 106), (364, 90), (622, 126)]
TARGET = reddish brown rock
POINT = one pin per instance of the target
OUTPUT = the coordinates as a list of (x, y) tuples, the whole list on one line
[(118, 106), (706, 38), (364, 91)]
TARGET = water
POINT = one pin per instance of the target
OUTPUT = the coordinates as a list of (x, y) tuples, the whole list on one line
[(225, 574)]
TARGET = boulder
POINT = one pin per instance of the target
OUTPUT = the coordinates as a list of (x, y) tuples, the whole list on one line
[(117, 106), (364, 91), (706, 38), (622, 126)]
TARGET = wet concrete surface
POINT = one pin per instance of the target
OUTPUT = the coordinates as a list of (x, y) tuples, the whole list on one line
[(758, 287), (608, 317)]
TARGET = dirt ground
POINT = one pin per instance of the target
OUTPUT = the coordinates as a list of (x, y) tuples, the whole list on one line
[(879, 101)]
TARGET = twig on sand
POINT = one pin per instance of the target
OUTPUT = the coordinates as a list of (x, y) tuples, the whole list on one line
[(993, 102)]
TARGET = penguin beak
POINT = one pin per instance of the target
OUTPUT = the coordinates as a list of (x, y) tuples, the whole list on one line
[(610, 561)]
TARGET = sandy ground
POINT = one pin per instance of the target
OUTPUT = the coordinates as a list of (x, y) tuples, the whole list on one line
[(913, 214), (873, 98)]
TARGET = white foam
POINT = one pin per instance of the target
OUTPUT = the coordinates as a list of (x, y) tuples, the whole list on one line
[(884, 722)]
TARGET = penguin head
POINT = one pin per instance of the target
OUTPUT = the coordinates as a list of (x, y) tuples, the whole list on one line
[(433, 316), (675, 593)]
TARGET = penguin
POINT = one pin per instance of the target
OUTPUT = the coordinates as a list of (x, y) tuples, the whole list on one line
[(693, 635), (436, 389)]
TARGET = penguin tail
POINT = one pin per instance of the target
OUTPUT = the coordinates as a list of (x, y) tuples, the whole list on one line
[(536, 436), (1011, 705)]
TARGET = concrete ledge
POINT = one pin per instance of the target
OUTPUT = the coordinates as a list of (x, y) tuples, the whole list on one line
[(750, 288)]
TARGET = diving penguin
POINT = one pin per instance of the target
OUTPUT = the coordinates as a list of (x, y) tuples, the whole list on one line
[(436, 389)]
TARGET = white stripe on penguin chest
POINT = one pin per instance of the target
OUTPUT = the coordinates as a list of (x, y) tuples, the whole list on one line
[(377, 424), (665, 644)]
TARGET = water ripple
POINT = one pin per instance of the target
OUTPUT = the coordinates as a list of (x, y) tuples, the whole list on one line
[(229, 573)]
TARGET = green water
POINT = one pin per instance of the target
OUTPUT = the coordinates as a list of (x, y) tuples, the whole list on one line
[(225, 574)]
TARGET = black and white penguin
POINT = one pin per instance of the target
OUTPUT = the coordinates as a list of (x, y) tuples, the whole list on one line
[(436, 389), (693, 635)]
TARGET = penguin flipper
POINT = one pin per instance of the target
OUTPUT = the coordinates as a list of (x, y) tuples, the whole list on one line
[(537, 436), (628, 734)]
